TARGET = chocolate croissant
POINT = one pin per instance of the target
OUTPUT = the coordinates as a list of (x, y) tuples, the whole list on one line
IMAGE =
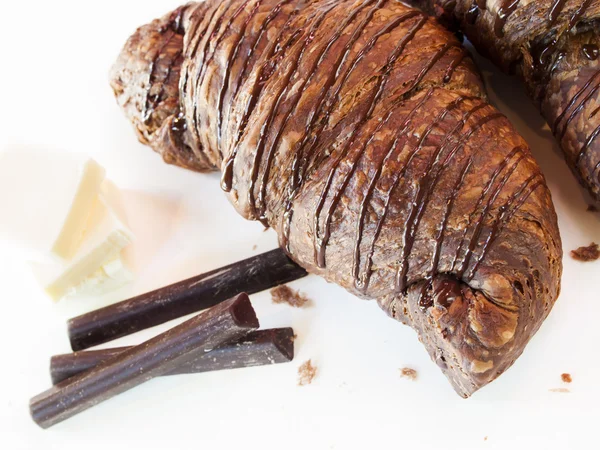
[(360, 132), (553, 46)]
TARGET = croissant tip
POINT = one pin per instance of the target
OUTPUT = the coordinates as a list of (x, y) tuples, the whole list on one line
[(471, 337)]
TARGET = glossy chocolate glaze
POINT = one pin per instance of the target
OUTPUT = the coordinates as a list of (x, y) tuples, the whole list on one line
[(548, 54), (362, 280), (299, 173), (443, 294), (301, 157), (591, 51), (555, 10), (264, 73), (594, 83), (297, 59), (502, 14), (507, 211), (578, 14), (233, 55), (429, 181), (472, 14), (324, 53), (169, 32), (320, 242), (491, 198)]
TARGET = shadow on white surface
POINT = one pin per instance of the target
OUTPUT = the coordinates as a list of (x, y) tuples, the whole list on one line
[(153, 218)]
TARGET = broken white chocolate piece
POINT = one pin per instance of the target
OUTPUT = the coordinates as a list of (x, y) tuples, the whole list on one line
[(108, 278), (47, 199), (107, 234)]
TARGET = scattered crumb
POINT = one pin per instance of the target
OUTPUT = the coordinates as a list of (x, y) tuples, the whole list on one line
[(306, 373), (409, 373), (485, 438), (560, 390), (566, 377), (255, 247), (585, 254), (285, 294), (294, 337)]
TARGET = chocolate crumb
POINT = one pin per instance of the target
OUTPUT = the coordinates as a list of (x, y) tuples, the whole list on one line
[(566, 378), (409, 373), (586, 254), (285, 294), (306, 373), (592, 208), (560, 390)]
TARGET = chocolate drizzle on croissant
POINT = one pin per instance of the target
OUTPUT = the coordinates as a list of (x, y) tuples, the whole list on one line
[(553, 45), (360, 131)]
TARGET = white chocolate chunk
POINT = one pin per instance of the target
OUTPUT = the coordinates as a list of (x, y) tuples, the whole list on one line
[(46, 199), (106, 235)]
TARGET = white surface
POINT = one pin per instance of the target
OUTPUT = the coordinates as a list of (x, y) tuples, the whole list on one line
[(55, 60)]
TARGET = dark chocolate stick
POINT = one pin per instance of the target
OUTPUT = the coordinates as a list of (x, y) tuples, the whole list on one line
[(226, 322), (196, 294), (260, 348)]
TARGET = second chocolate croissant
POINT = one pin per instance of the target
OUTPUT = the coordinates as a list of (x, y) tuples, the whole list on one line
[(360, 131), (554, 47)]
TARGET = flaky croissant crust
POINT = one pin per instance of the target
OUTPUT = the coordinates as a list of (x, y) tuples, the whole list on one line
[(360, 131)]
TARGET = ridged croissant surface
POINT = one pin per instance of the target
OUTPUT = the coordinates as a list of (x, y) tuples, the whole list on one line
[(554, 46), (360, 131)]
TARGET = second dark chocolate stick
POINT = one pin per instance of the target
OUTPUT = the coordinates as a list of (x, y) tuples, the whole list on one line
[(252, 275), (260, 348)]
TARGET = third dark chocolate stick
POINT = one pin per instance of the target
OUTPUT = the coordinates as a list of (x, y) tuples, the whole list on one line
[(252, 275), (260, 348)]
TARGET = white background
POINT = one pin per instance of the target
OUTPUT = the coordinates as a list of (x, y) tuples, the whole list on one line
[(54, 60)]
